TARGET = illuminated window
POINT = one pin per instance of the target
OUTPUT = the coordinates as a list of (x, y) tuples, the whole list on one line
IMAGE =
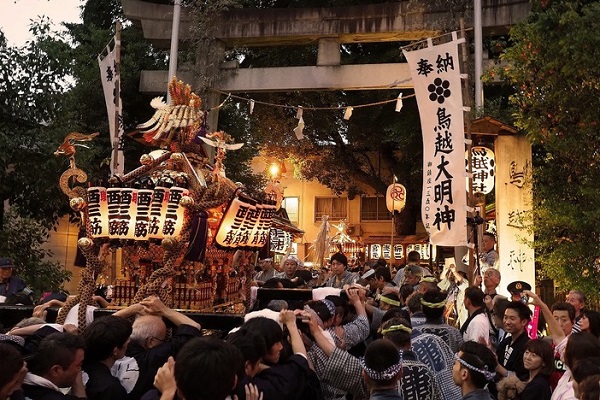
[(335, 207), (291, 205), (374, 209)]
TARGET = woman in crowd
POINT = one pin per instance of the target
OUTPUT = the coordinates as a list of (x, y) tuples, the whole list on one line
[(589, 389), (590, 322), (582, 370), (538, 359), (580, 345)]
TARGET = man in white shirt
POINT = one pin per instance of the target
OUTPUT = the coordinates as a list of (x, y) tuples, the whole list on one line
[(477, 326)]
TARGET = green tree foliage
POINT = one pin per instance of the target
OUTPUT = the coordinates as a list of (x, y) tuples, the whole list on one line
[(48, 88), (51, 87), (85, 101), (555, 71), (22, 240), (32, 83)]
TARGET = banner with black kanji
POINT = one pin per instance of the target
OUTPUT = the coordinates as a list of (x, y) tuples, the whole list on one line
[(111, 85), (435, 73)]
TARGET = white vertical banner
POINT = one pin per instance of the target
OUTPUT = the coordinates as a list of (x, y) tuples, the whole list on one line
[(435, 73), (514, 198), (111, 85)]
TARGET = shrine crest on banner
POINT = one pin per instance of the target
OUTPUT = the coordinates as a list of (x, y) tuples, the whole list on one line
[(435, 72)]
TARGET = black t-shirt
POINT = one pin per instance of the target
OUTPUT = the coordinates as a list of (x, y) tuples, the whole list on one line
[(510, 355)]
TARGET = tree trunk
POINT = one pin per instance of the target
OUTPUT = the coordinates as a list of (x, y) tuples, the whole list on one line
[(406, 221)]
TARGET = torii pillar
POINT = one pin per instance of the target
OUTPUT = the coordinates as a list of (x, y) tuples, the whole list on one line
[(514, 201)]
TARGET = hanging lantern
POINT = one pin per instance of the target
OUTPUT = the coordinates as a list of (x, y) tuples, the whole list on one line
[(158, 210), (144, 199), (280, 240), (245, 223), (386, 251), (113, 200), (483, 167), (395, 197), (398, 251), (423, 250), (97, 211), (127, 213), (253, 227), (175, 214), (375, 251)]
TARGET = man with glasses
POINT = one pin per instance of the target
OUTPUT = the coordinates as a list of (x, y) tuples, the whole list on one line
[(491, 281)]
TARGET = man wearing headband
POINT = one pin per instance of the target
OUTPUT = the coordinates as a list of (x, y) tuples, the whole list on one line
[(388, 301), (412, 275), (418, 382), (413, 258), (290, 265), (434, 305), (428, 282), (473, 369), (344, 336), (382, 369)]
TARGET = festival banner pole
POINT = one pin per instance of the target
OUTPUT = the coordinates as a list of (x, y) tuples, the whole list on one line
[(469, 143), (117, 147), (173, 53)]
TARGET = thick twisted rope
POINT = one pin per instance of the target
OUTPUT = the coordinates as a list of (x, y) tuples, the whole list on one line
[(85, 289)]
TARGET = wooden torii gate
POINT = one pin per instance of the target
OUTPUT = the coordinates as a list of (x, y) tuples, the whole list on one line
[(331, 28)]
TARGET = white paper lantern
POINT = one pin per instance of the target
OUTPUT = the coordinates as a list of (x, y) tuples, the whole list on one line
[(395, 197), (175, 213), (97, 211), (113, 200), (142, 220), (128, 213), (245, 224), (375, 251), (483, 167), (158, 211), (398, 251), (423, 250)]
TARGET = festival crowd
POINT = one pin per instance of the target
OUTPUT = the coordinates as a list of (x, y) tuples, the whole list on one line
[(371, 333)]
